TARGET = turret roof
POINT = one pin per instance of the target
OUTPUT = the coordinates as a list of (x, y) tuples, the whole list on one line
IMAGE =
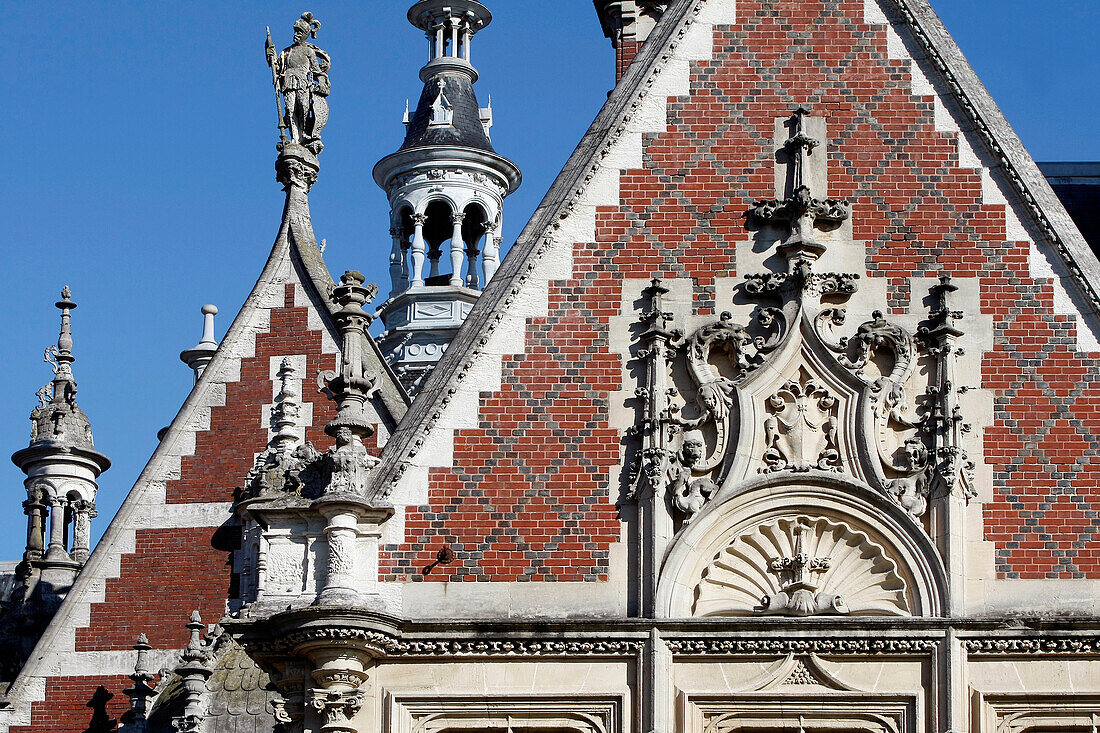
[(465, 129)]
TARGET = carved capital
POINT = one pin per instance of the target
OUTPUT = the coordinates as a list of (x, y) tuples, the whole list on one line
[(296, 167), (336, 709)]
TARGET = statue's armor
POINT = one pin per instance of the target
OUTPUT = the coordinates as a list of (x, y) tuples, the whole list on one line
[(298, 62)]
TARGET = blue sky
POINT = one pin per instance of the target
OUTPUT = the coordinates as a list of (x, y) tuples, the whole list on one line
[(140, 150)]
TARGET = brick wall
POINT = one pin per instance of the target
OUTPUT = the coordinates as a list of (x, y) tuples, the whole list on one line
[(80, 705), (175, 571), (504, 505), (625, 52)]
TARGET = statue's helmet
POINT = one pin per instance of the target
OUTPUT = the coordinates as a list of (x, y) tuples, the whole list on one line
[(308, 24)]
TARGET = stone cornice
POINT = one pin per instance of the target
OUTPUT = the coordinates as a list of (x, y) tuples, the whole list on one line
[(1033, 646), (855, 646), (390, 638)]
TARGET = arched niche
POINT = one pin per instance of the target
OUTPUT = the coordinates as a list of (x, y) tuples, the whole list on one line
[(474, 227), (745, 545)]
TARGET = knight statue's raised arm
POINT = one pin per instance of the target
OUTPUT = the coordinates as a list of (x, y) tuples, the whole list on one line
[(300, 74)]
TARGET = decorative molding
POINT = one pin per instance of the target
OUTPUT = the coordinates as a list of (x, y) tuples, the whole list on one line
[(870, 646), (575, 713), (384, 644), (1032, 646), (805, 712), (1031, 712), (521, 648)]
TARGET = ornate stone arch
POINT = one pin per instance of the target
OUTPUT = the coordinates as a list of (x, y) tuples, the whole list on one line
[(797, 545), (433, 198)]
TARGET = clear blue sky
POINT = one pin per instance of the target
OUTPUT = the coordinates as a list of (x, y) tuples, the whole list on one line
[(140, 149)]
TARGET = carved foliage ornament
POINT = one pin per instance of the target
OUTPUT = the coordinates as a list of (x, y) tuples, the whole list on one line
[(907, 447), (917, 440)]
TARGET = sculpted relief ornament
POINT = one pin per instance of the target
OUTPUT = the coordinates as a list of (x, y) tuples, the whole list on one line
[(854, 404), (800, 432), (801, 566)]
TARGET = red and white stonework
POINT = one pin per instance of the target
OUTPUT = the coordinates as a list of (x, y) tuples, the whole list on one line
[(779, 414)]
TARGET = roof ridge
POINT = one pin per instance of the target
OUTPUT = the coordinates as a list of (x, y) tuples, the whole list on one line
[(977, 104)]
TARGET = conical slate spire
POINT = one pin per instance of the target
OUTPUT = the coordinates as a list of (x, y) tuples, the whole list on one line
[(461, 126)]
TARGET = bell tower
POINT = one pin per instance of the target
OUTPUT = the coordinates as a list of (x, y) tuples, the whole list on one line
[(446, 187)]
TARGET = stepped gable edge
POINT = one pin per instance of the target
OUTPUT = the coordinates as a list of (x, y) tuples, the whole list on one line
[(1048, 213)]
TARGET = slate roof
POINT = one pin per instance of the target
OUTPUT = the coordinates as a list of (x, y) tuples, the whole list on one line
[(237, 696), (466, 129)]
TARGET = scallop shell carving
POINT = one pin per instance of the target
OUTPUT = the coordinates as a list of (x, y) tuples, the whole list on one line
[(858, 570)]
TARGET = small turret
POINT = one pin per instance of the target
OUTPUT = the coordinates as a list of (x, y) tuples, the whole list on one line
[(446, 187), (62, 467)]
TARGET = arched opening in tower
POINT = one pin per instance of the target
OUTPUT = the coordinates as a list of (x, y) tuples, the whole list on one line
[(438, 229), (400, 271), (474, 228)]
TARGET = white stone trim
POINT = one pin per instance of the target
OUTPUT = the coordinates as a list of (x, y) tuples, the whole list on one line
[(145, 506), (669, 79)]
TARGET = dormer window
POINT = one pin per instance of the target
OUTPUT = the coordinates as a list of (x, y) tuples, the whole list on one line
[(443, 112)]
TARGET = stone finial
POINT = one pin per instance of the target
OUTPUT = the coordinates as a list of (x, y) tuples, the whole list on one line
[(800, 211), (142, 691), (57, 419), (64, 351), (351, 387), (199, 356), (286, 410), (195, 626), (194, 670)]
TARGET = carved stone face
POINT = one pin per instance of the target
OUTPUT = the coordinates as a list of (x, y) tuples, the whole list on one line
[(301, 33), (693, 451), (916, 454), (343, 436)]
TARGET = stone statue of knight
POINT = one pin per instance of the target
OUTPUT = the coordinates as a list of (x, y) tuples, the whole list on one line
[(301, 77)]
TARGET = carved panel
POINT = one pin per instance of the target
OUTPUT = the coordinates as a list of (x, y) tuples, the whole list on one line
[(800, 431), (801, 566), (830, 712), (435, 714), (431, 310), (1036, 713), (286, 568)]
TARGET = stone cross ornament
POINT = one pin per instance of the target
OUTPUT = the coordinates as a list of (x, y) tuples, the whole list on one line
[(300, 76)]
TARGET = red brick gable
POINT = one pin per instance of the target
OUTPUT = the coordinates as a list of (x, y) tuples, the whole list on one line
[(919, 214), (174, 571)]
